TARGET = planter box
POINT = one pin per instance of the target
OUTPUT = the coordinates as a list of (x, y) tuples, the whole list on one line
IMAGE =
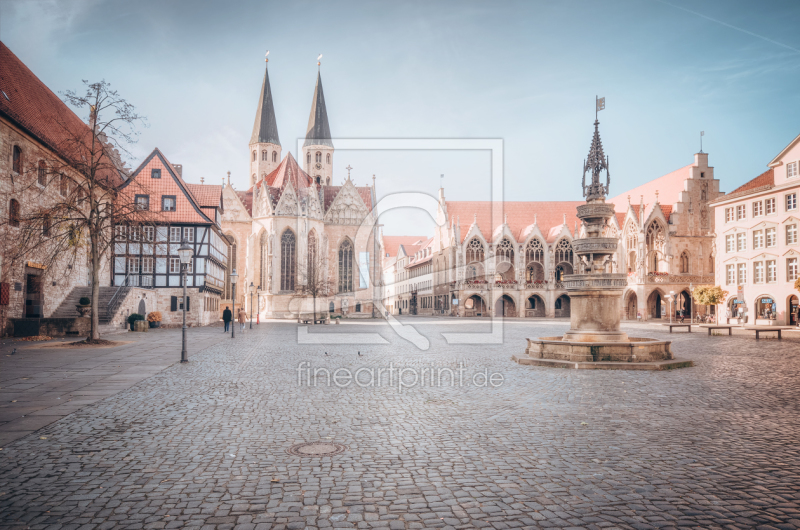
[(140, 325)]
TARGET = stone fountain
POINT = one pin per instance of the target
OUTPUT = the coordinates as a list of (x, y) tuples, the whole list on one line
[(594, 339)]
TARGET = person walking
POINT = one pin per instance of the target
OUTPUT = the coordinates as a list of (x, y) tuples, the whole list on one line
[(227, 316), (242, 319)]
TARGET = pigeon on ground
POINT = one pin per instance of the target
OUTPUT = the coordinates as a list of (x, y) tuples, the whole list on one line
[(359, 354), (326, 353)]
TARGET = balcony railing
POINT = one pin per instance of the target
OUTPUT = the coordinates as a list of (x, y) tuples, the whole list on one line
[(679, 278)]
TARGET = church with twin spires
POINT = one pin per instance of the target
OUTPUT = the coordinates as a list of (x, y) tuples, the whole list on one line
[(294, 234)]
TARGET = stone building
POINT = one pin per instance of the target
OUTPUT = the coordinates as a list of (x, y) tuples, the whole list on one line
[(35, 129), (508, 258), (293, 229), (396, 255), (757, 245)]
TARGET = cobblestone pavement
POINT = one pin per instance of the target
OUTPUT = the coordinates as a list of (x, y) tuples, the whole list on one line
[(40, 383), (204, 444)]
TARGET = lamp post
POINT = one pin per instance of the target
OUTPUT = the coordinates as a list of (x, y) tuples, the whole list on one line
[(234, 276), (258, 299), (252, 291), (185, 252), (691, 300)]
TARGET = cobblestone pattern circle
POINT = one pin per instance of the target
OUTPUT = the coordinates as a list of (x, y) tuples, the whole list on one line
[(316, 449)]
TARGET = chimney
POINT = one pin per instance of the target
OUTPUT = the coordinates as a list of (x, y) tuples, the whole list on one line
[(178, 169)]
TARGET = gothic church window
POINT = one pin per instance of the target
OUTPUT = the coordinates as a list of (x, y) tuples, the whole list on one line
[(534, 261), (328, 158), (319, 156), (274, 156), (264, 156), (308, 158), (346, 267), (504, 258), (288, 260), (263, 253), (254, 156), (684, 263)]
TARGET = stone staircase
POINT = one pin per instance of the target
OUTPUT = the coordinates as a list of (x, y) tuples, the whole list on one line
[(67, 307)]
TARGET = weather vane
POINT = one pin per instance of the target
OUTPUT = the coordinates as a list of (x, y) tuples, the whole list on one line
[(318, 59), (266, 56)]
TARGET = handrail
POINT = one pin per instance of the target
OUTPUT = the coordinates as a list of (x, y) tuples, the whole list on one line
[(114, 299)]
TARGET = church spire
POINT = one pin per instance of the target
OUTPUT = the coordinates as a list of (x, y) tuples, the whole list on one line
[(318, 132), (265, 128), (595, 163)]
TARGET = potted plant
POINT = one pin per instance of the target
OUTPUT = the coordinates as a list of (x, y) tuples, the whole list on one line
[(84, 306), (132, 318), (154, 319)]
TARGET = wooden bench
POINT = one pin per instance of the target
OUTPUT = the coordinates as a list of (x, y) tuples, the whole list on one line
[(709, 327), (767, 329), (678, 325)]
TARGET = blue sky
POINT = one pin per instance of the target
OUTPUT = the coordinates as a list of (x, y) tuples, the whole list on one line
[(525, 72)]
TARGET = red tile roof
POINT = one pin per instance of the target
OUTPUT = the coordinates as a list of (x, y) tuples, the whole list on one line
[(187, 209), (767, 178), (288, 171), (668, 186), (34, 107), (549, 216), (247, 199), (391, 244), (206, 195)]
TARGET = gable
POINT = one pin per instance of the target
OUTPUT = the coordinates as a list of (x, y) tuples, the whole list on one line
[(170, 184), (348, 207)]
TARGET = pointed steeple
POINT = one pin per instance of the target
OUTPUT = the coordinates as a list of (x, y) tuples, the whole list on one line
[(594, 164), (265, 128), (318, 132)]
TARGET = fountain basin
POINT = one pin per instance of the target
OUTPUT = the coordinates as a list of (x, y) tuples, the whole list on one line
[(632, 350)]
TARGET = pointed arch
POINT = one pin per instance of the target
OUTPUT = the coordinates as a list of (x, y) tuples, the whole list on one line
[(274, 156), (655, 239), (264, 155), (328, 158), (534, 261), (318, 157), (288, 260), (563, 259), (475, 256), (504, 260), (345, 284)]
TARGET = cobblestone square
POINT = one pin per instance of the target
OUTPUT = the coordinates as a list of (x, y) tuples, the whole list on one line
[(204, 445)]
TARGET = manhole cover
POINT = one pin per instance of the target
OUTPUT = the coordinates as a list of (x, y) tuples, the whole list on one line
[(316, 449)]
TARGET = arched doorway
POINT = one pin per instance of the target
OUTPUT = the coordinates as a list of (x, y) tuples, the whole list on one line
[(654, 305), (534, 306), (505, 307), (631, 307), (474, 306), (562, 306), (792, 308), (684, 302)]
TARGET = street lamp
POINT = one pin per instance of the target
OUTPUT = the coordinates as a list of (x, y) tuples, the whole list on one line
[(258, 299), (185, 252), (234, 276), (252, 290)]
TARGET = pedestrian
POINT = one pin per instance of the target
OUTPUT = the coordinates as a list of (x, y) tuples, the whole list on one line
[(242, 318), (227, 316)]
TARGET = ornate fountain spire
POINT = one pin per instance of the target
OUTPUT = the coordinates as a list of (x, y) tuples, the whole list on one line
[(595, 163)]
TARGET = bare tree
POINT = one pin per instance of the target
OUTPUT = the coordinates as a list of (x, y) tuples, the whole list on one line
[(316, 278), (78, 181)]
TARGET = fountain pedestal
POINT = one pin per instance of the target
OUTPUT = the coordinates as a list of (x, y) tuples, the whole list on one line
[(594, 307)]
